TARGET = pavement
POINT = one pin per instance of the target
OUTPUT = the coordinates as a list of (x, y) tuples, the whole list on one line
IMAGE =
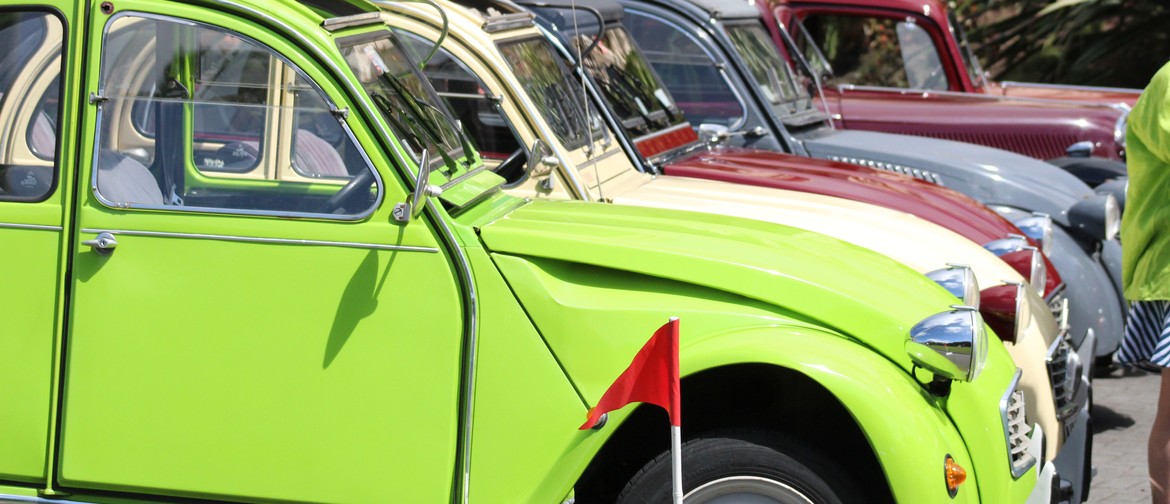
[(1124, 403)]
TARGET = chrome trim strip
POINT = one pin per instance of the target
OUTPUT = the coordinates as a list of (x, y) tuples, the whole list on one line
[(38, 227), (256, 239), (7, 498), (598, 158), (365, 18), (470, 352), (960, 94), (1070, 87)]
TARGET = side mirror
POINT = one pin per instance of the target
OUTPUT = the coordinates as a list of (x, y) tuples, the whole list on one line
[(714, 134), (409, 210), (541, 162)]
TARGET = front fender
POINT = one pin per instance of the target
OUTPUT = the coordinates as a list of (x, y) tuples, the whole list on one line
[(909, 430)]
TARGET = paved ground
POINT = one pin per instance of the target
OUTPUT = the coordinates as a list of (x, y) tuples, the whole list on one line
[(1123, 409)]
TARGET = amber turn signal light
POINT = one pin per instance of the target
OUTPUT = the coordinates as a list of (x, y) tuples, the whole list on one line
[(955, 475)]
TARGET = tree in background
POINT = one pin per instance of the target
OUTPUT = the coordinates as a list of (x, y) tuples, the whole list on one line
[(1091, 42)]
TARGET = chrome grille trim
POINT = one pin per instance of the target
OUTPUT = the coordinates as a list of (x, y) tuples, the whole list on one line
[(1057, 305), (1064, 370), (917, 173), (1016, 429)]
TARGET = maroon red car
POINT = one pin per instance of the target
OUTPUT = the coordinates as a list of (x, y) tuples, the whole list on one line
[(903, 66)]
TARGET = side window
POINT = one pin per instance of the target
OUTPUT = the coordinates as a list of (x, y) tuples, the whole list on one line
[(30, 68), (465, 95), (883, 52), (688, 72), (201, 118)]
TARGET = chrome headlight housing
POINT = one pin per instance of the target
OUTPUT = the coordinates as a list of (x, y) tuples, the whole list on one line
[(1117, 187), (1098, 217), (1022, 257), (1120, 126), (959, 280), (952, 344), (1037, 227)]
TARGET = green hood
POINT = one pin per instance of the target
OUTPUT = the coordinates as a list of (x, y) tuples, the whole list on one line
[(775, 274)]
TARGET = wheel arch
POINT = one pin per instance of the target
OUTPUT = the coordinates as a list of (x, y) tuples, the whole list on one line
[(826, 390)]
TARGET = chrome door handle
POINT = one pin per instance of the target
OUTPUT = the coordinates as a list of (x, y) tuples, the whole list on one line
[(104, 244)]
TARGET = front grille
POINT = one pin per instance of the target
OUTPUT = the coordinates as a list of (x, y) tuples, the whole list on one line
[(1058, 305), (926, 175), (1016, 429), (1064, 369), (1040, 146)]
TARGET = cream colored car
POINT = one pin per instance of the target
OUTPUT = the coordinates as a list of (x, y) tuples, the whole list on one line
[(472, 72)]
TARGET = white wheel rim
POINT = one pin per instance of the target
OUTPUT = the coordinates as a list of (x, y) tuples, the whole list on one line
[(746, 490)]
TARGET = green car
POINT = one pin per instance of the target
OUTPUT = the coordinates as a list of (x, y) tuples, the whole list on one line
[(251, 259)]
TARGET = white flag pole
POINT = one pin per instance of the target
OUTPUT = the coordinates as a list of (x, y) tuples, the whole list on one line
[(676, 453), (676, 462)]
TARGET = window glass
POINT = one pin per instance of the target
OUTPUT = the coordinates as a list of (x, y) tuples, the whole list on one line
[(687, 70), (231, 98), (29, 90), (201, 118), (923, 68), (878, 51)]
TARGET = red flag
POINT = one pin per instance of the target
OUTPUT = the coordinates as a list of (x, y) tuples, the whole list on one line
[(651, 378)]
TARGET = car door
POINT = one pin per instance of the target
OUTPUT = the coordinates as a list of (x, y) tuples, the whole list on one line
[(32, 216), (237, 331)]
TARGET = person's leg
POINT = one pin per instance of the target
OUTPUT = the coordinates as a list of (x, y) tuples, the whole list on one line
[(1159, 447)]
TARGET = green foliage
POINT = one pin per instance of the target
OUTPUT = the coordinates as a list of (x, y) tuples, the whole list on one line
[(1092, 42)]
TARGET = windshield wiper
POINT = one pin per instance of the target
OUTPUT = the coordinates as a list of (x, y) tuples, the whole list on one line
[(426, 124)]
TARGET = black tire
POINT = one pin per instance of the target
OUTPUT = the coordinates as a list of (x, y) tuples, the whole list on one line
[(1093, 171), (738, 462)]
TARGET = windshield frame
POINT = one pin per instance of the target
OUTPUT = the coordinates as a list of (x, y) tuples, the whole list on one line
[(970, 61)]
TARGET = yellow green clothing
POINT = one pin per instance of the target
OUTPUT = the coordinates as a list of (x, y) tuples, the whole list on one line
[(1145, 225)]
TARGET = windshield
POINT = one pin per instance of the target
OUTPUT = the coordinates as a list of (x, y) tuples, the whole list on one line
[(970, 62), (635, 93), (787, 94), (558, 97), (403, 96)]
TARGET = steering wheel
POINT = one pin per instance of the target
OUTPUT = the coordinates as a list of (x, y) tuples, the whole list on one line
[(512, 167), (356, 186)]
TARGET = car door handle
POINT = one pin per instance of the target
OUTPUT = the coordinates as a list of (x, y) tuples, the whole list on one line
[(104, 244)]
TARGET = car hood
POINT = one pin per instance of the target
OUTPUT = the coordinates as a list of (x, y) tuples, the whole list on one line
[(991, 176), (937, 204), (895, 234), (840, 286)]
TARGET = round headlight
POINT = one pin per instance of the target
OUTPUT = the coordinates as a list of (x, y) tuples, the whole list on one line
[(1029, 263), (1112, 217), (950, 344), (1006, 310), (1097, 217), (1037, 227), (960, 281)]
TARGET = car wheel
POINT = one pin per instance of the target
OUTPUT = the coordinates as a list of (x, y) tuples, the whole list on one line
[(744, 466)]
